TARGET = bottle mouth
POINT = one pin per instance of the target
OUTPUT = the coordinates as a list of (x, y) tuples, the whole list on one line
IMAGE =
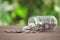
[(31, 25)]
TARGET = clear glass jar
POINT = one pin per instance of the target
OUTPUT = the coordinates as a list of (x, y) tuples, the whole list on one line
[(38, 19)]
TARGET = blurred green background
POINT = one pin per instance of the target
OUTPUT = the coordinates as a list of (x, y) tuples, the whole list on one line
[(17, 12)]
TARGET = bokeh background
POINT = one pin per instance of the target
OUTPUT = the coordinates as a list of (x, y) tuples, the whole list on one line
[(17, 12)]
